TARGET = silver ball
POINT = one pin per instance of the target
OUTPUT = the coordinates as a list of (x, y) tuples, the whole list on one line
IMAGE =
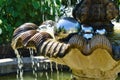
[(69, 24)]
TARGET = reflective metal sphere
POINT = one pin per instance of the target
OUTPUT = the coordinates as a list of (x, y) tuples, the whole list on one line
[(86, 31), (69, 24)]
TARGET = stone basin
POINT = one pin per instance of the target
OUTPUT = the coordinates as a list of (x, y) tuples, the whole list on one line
[(97, 66)]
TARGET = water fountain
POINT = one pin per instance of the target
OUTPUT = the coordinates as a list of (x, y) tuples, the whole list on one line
[(88, 52)]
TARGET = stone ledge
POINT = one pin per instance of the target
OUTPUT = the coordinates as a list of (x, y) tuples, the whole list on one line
[(9, 65)]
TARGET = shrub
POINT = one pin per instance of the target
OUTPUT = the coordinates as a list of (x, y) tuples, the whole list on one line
[(13, 13)]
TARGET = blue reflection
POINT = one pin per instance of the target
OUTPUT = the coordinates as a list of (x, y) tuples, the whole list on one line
[(69, 24)]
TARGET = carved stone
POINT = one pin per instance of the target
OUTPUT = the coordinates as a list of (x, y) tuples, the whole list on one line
[(96, 13), (97, 66)]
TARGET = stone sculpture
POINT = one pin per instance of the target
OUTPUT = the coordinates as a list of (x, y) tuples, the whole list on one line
[(88, 53)]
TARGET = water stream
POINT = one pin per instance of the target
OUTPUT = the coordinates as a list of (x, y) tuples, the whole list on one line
[(44, 65), (34, 67), (20, 66)]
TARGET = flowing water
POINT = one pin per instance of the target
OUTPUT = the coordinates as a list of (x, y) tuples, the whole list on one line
[(34, 67), (35, 75), (20, 66)]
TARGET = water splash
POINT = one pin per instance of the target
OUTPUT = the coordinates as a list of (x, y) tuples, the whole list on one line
[(40, 64), (46, 68), (51, 70), (58, 77), (34, 67), (20, 66), (62, 74), (47, 77)]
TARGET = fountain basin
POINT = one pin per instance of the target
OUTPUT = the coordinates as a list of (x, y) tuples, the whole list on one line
[(97, 66), (41, 76), (10, 65)]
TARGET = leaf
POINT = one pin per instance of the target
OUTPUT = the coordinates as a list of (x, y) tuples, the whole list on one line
[(25, 11), (32, 14), (1, 1), (14, 14), (36, 4)]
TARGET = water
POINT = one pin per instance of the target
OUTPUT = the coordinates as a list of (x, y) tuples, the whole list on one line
[(36, 65), (41, 76), (20, 65), (45, 75)]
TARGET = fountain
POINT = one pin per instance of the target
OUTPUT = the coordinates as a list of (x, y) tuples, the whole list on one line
[(88, 52)]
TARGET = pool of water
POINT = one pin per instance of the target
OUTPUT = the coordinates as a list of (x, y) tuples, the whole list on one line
[(118, 78), (40, 76)]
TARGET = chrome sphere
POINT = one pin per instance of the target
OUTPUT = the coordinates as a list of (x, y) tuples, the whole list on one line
[(69, 24)]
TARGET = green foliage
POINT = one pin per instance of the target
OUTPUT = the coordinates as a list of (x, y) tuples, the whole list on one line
[(13, 13), (118, 5)]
